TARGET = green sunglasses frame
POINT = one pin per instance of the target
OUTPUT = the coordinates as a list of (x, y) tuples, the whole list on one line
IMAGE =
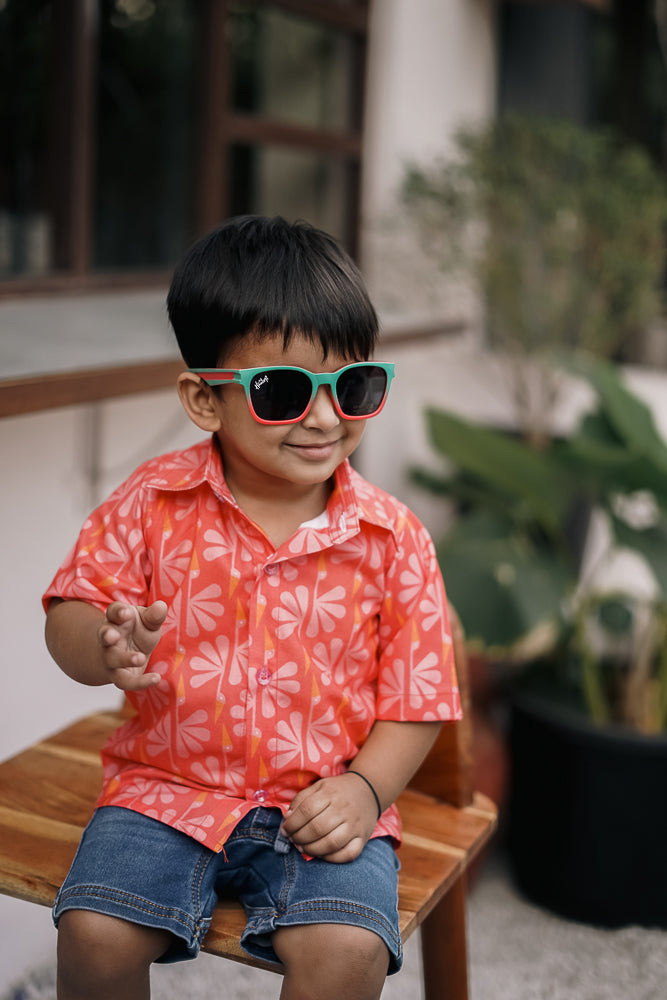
[(244, 376)]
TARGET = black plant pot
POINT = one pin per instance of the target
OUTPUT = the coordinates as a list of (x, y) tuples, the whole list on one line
[(587, 817)]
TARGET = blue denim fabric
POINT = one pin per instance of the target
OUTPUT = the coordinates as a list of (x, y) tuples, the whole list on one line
[(135, 868)]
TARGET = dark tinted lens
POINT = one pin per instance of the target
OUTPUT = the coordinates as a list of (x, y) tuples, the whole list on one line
[(360, 390), (280, 395)]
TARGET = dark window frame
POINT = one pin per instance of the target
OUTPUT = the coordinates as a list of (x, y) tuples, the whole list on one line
[(219, 127)]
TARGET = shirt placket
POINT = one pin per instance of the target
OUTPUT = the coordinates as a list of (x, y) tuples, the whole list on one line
[(261, 668)]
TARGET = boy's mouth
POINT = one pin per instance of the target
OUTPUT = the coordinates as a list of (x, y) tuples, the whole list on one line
[(317, 450)]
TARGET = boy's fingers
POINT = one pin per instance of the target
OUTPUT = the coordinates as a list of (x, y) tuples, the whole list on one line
[(121, 638), (117, 613), (119, 658), (323, 838), (305, 807), (127, 680), (109, 635), (153, 616), (341, 845), (351, 851), (295, 814)]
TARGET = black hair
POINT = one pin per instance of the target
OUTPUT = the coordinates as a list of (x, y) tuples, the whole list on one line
[(257, 275)]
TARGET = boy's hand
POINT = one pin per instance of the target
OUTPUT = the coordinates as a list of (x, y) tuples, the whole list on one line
[(128, 636), (332, 819)]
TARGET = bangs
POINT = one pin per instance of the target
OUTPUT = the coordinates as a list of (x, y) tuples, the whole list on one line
[(306, 284), (258, 276)]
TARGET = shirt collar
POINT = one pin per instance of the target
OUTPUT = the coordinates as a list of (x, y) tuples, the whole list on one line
[(350, 502), (190, 468)]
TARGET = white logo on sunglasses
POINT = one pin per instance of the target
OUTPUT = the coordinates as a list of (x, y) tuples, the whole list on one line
[(259, 382)]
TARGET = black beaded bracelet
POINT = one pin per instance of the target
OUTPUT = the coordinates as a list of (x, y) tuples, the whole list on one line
[(375, 794)]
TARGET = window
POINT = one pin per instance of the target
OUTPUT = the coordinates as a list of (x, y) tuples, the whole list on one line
[(600, 66), (130, 126)]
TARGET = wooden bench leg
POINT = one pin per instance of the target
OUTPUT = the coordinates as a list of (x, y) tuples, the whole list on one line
[(444, 949)]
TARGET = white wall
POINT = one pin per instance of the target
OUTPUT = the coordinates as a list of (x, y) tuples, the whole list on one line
[(45, 494), (431, 68)]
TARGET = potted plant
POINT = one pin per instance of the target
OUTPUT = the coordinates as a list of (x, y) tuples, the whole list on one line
[(556, 558), (559, 230), (583, 643)]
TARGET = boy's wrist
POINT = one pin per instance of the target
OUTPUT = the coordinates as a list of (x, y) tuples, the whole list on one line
[(363, 777)]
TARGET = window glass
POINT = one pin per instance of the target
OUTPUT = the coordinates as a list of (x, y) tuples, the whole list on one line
[(118, 183), (145, 132), (616, 70), (289, 69), (25, 223), (292, 183), (630, 75)]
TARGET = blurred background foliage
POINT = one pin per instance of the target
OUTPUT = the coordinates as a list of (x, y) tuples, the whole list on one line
[(561, 229)]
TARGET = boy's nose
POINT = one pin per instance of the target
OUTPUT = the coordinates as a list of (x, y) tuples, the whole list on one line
[(322, 414)]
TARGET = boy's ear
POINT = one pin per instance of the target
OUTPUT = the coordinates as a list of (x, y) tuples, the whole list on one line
[(198, 402)]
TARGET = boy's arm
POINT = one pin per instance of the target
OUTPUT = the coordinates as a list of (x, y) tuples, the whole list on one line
[(335, 817), (96, 648), (391, 755)]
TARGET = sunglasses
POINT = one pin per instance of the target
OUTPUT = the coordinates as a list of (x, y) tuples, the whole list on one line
[(283, 395)]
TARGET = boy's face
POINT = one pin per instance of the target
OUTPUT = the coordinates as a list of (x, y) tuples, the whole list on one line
[(272, 457)]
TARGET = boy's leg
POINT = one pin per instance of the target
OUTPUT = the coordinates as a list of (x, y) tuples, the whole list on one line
[(105, 958), (330, 961), (333, 927), (137, 892)]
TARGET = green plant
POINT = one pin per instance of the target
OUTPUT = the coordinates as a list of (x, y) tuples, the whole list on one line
[(560, 229), (513, 556)]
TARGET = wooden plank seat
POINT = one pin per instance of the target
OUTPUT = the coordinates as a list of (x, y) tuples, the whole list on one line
[(47, 794)]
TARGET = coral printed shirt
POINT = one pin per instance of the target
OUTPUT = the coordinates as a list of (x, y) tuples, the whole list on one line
[(275, 663)]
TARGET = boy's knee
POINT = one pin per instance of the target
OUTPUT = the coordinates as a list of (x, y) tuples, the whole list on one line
[(332, 960), (95, 951)]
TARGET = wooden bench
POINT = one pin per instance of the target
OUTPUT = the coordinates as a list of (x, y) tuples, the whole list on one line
[(47, 794)]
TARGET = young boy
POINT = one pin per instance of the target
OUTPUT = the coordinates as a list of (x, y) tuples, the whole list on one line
[(280, 628)]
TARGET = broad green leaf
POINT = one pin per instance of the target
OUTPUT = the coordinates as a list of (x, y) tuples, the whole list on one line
[(631, 419), (505, 464), (471, 493), (503, 586), (604, 463), (432, 482)]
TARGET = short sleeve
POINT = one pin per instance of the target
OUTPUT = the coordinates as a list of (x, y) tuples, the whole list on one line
[(109, 561), (416, 676)]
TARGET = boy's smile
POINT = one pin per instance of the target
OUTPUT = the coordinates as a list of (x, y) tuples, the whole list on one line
[(282, 459)]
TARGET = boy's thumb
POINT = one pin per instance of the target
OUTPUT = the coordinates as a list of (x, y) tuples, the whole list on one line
[(154, 616)]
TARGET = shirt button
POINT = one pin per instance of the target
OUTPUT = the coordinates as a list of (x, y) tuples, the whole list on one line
[(271, 569), (264, 676), (259, 795)]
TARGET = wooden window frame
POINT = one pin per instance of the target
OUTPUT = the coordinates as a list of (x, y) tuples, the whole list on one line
[(219, 128)]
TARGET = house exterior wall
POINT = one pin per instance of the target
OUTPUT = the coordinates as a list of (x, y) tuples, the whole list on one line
[(432, 70)]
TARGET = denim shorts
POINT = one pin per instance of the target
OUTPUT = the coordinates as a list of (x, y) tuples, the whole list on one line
[(136, 868)]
